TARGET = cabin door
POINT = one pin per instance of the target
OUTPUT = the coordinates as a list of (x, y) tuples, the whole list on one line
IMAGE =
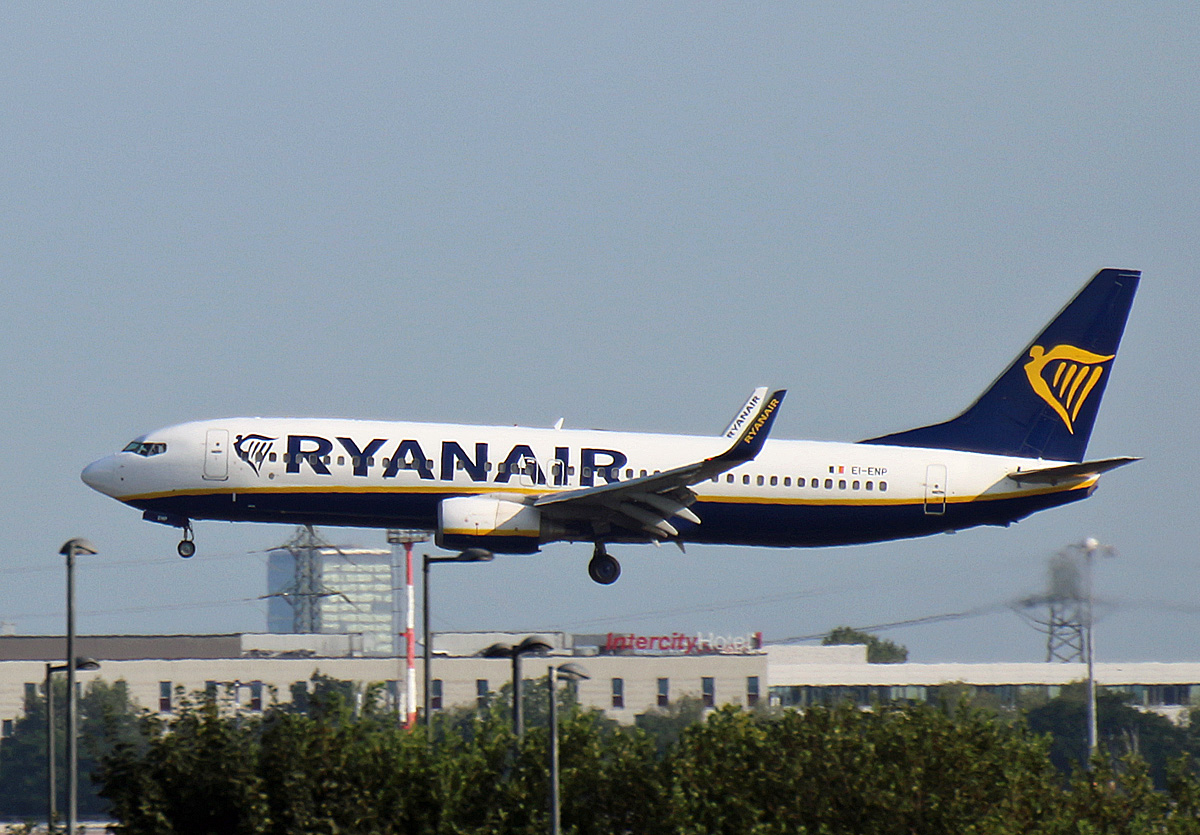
[(216, 455)]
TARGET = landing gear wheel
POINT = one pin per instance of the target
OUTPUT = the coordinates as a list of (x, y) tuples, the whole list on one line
[(603, 568), (186, 546)]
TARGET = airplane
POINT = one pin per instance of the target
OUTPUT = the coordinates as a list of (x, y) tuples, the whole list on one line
[(1016, 450)]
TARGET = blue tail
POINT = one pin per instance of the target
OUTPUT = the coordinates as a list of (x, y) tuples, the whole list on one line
[(1044, 405)]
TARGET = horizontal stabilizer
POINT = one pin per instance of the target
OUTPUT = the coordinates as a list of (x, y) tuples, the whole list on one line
[(1069, 472)]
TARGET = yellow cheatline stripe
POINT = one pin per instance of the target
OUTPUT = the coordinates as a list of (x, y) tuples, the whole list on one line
[(336, 488), (471, 532), (459, 490)]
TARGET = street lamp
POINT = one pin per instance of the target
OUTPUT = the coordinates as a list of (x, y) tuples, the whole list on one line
[(469, 555), (571, 672), (1090, 547), (532, 645), (70, 549), (51, 775)]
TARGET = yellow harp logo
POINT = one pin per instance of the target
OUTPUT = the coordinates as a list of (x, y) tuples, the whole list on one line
[(1064, 376)]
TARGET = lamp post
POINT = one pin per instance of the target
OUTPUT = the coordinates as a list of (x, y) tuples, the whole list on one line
[(1090, 547), (469, 555), (51, 770), (571, 672), (70, 548), (529, 646)]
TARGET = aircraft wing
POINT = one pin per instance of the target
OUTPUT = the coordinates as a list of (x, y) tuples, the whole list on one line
[(1067, 472), (645, 505)]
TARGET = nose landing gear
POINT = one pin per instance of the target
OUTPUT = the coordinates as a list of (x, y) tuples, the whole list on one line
[(603, 568)]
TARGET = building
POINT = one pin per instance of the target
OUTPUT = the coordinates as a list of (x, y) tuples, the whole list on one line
[(628, 674), (330, 589)]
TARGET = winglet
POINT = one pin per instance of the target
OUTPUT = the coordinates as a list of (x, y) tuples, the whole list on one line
[(754, 432), (745, 413)]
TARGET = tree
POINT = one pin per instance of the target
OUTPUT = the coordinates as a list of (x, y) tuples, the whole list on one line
[(107, 718), (879, 651), (1122, 730)]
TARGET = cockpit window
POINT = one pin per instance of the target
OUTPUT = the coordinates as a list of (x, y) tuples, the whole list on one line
[(143, 448)]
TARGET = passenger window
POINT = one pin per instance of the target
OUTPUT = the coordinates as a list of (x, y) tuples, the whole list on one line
[(272, 457), (841, 484), (341, 460), (774, 480), (787, 481), (870, 485), (759, 481), (326, 459), (371, 461), (643, 474), (829, 484), (800, 481), (854, 486), (745, 479), (586, 472), (629, 473), (354, 462), (729, 479), (882, 486)]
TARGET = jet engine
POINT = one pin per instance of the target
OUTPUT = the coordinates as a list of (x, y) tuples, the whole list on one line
[(499, 525)]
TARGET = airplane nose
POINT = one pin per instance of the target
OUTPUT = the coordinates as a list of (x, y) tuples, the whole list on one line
[(101, 476)]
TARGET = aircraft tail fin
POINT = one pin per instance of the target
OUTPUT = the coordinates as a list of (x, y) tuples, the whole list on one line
[(1044, 405)]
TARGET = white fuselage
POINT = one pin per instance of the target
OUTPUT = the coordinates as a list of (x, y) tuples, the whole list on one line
[(394, 474)]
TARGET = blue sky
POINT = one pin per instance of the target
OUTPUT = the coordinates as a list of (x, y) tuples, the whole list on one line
[(625, 215)]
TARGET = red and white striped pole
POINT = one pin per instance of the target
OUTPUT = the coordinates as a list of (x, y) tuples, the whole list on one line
[(411, 634)]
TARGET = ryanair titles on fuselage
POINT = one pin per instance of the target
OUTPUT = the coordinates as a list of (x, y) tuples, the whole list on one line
[(311, 450)]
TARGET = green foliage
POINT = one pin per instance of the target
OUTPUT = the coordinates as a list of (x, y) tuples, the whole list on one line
[(1121, 730), (338, 769), (107, 718), (666, 724), (879, 650)]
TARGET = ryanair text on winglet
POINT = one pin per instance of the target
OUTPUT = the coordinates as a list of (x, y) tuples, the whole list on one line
[(762, 420)]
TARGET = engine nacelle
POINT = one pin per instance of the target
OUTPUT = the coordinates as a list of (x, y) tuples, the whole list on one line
[(499, 525)]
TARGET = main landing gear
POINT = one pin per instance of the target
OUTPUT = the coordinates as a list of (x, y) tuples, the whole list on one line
[(603, 568), (186, 546)]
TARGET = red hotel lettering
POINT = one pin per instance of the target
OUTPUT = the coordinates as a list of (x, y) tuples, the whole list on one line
[(685, 644)]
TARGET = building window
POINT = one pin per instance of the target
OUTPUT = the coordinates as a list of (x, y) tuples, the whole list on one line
[(708, 691), (481, 693), (256, 689), (6, 728), (210, 690), (751, 691), (164, 697), (618, 692), (31, 692), (664, 692), (435, 694)]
